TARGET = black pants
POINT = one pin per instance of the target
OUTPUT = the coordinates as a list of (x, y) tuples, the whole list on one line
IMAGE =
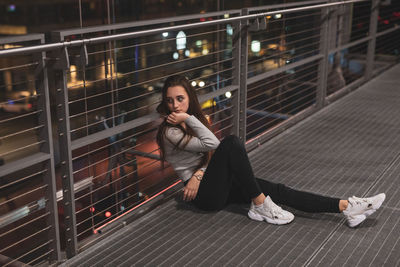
[(229, 179)]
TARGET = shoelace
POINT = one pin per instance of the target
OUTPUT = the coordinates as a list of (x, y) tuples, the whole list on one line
[(275, 209), (360, 201)]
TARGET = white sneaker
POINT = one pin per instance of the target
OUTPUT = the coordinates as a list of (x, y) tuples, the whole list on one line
[(270, 212), (360, 208)]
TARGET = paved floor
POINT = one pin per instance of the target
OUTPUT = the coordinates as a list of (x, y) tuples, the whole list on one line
[(350, 148)]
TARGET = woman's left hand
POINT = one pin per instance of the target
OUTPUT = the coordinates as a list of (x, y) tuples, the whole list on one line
[(191, 188)]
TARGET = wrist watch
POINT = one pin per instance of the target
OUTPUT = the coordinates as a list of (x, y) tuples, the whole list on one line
[(198, 177)]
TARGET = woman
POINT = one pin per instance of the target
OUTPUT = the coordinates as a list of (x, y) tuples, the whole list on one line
[(216, 174)]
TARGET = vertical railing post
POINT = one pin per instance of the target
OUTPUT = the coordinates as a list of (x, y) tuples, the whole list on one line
[(239, 99), (236, 76), (373, 25), (244, 33), (49, 177), (64, 140), (323, 63)]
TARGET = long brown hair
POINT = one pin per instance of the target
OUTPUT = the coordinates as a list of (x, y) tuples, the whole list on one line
[(194, 109)]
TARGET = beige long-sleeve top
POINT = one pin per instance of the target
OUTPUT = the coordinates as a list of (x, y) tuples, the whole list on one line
[(186, 159)]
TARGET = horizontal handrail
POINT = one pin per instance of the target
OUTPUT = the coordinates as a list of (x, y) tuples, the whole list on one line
[(285, 5), (273, 72), (124, 25), (152, 22), (22, 38), (23, 163), (115, 37), (363, 40)]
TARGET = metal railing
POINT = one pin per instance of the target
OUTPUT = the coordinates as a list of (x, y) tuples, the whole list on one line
[(257, 71), (29, 230)]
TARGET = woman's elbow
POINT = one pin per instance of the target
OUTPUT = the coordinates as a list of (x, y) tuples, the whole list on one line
[(215, 144)]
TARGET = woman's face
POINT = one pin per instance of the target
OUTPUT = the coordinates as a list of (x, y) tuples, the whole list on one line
[(177, 99)]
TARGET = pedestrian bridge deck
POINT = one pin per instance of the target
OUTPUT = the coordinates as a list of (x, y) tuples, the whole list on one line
[(352, 147)]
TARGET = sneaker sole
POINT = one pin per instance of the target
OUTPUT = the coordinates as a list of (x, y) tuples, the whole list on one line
[(260, 218), (357, 220), (369, 212)]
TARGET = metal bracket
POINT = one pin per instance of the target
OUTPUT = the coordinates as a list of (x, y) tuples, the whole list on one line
[(41, 63), (258, 24), (255, 26), (62, 62), (263, 24), (84, 59)]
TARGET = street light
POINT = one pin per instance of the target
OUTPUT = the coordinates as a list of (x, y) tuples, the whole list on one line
[(229, 29), (255, 46), (180, 40)]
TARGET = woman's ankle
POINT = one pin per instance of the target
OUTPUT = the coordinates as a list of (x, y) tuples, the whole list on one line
[(258, 200), (343, 205)]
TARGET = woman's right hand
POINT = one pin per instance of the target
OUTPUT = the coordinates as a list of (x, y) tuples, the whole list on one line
[(191, 188), (176, 118)]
